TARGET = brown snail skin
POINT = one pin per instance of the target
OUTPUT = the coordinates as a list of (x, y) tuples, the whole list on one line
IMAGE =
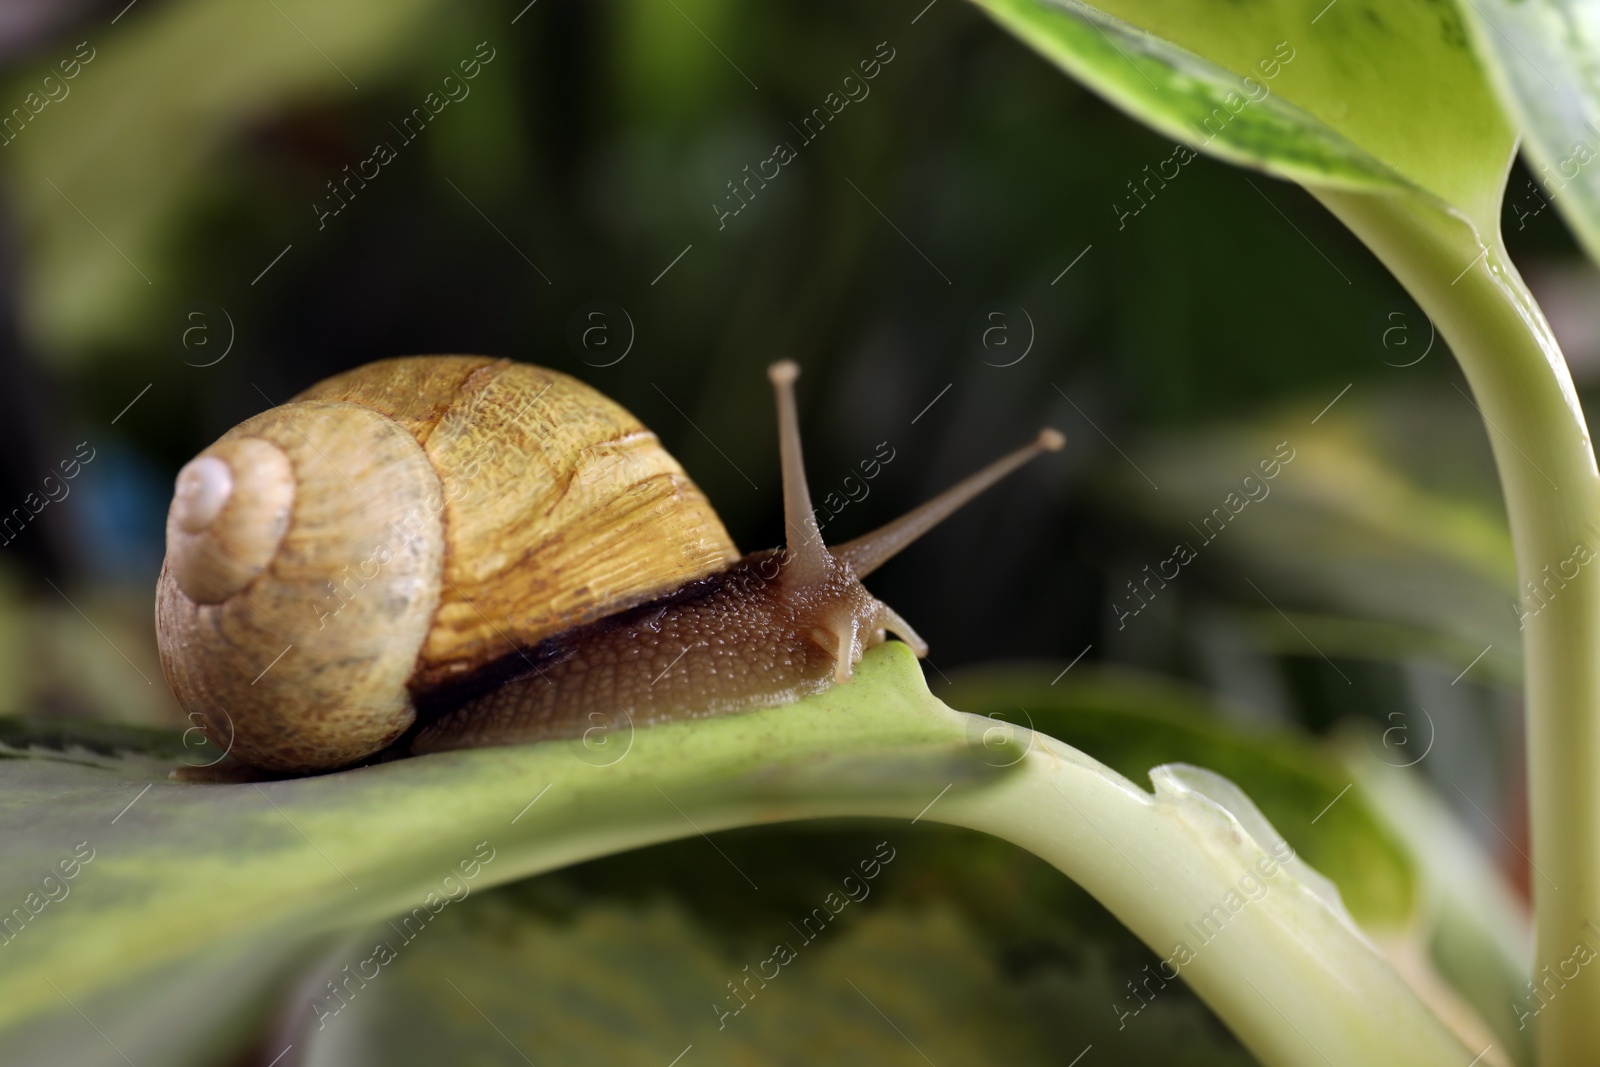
[(446, 552)]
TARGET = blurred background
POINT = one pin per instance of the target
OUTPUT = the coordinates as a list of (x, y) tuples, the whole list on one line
[(959, 248)]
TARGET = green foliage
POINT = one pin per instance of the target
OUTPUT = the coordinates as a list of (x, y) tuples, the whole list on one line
[(1542, 56), (1378, 544), (1349, 66), (626, 960), (1403, 82), (208, 894), (185, 872), (184, 878), (1133, 724), (1192, 98)]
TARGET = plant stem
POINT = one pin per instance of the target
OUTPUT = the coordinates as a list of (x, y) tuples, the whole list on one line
[(1547, 471), (1281, 964)]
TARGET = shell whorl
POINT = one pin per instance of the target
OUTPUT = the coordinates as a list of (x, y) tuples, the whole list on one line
[(303, 665), (229, 512)]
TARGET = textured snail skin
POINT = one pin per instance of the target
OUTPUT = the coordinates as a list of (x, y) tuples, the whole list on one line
[(747, 638)]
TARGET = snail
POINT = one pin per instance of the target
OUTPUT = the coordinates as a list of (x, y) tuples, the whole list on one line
[(441, 552)]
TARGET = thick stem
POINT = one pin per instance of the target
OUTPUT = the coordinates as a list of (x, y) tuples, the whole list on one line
[(1192, 871), (1547, 471)]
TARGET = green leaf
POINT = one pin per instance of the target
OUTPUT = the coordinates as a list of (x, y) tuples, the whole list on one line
[(1363, 95), (1403, 865), (172, 872), (1179, 92), (1545, 58), (627, 960), (1480, 939), (183, 869), (47, 737), (1131, 722), (1374, 547)]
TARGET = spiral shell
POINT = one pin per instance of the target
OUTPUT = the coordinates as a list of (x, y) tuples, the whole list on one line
[(398, 527)]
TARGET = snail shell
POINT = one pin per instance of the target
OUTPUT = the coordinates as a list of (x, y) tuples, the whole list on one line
[(399, 527)]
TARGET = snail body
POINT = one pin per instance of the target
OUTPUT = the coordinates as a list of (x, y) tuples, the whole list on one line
[(442, 552)]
